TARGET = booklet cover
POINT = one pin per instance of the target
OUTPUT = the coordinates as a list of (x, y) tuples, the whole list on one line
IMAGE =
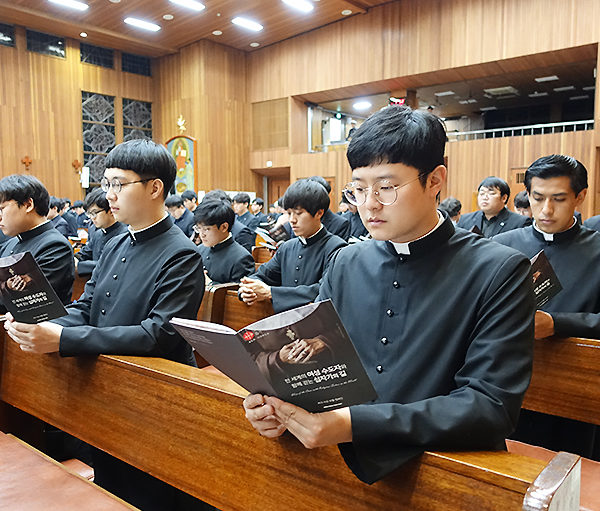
[(545, 282), (25, 291), (303, 356)]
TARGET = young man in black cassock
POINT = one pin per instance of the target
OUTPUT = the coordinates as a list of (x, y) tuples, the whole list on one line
[(182, 217), (59, 223), (493, 217), (224, 259), (24, 204), (335, 224), (556, 185), (107, 228), (441, 318), (241, 205), (144, 278), (291, 277)]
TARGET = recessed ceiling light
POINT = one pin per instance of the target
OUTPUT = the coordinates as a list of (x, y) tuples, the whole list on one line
[(575, 98), (361, 105), (445, 93), (73, 4), (301, 5), (565, 88), (190, 4), (589, 87), (83, 34), (246, 23), (486, 108), (537, 94), (168, 17), (546, 78), (217, 32), (464, 102), (346, 12), (472, 100), (146, 25), (255, 45), (115, 1)]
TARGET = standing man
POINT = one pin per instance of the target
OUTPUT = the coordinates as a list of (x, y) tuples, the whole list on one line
[(493, 217), (449, 374), (143, 279)]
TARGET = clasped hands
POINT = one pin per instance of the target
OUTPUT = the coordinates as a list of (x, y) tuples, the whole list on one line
[(252, 291)]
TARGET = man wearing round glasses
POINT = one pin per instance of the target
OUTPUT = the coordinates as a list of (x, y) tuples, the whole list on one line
[(441, 318)]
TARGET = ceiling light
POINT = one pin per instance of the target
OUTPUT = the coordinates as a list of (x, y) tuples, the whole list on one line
[(361, 105), (537, 94), (464, 102), (301, 5), (168, 17), (486, 108), (565, 88), (255, 45), (190, 4), (115, 1), (546, 78), (217, 32), (83, 34), (507, 90), (73, 4), (589, 87), (346, 12), (472, 100), (574, 98), (445, 93), (146, 25), (246, 23)]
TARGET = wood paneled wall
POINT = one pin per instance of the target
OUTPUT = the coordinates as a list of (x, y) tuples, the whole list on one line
[(40, 110), (206, 83), (270, 124)]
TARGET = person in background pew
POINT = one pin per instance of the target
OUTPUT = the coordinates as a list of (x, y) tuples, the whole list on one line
[(182, 217), (556, 185), (241, 205), (224, 259), (291, 277), (441, 318), (493, 217), (107, 228), (190, 200), (83, 220), (452, 207), (357, 228), (256, 209), (335, 224), (24, 204), (59, 223), (593, 223), (68, 214), (522, 205), (144, 278)]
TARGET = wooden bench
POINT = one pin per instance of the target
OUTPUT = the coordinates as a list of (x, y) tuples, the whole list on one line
[(187, 427), (78, 286), (261, 254)]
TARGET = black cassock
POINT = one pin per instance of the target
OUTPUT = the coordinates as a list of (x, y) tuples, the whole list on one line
[(90, 253), (52, 252), (226, 262), (593, 223), (575, 255), (503, 222), (446, 336), (296, 268)]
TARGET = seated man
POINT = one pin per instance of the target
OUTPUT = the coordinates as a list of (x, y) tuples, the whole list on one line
[(241, 205), (522, 205), (556, 185), (493, 217), (256, 209), (442, 319), (57, 221), (68, 214), (183, 217), (224, 260), (23, 208), (190, 200), (83, 220), (291, 277), (452, 207), (357, 228), (335, 224), (144, 278), (593, 223), (107, 227)]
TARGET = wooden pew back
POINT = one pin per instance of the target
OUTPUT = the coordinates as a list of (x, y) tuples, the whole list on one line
[(261, 254)]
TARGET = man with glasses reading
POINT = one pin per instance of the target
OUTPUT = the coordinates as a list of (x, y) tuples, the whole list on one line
[(442, 319), (144, 278), (493, 217)]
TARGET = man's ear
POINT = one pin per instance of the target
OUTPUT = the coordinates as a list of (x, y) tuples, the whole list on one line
[(436, 179), (224, 227), (504, 199), (580, 197), (319, 214), (29, 205), (157, 188)]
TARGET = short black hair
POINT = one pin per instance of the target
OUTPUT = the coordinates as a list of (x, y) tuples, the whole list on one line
[(451, 205), (21, 188), (217, 194), (242, 198), (307, 194), (57, 203), (214, 212), (174, 201), (258, 201), (147, 159), (496, 182), (558, 165), (189, 195), (398, 134), (322, 181), (521, 200), (98, 197), (78, 204)]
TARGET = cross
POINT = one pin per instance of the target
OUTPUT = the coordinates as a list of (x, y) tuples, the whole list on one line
[(27, 162), (76, 165)]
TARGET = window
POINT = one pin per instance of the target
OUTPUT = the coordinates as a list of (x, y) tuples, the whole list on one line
[(96, 55), (7, 35), (98, 114), (136, 64), (137, 119), (46, 44)]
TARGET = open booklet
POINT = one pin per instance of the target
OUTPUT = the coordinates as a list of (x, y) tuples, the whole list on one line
[(545, 282), (303, 356), (25, 291)]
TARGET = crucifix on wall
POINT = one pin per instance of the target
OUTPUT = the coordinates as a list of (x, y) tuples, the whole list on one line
[(27, 161)]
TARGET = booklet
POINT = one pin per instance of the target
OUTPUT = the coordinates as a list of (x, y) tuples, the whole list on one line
[(273, 234), (545, 282), (303, 356), (25, 291)]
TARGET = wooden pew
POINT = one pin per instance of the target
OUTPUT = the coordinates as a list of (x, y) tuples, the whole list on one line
[(187, 427), (261, 254), (79, 285)]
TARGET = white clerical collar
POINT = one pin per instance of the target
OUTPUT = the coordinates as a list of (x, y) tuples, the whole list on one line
[(404, 249), (548, 236), (303, 239), (224, 240), (133, 233)]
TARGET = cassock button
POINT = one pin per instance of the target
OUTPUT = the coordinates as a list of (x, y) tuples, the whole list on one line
[(123, 259), (299, 257), (295, 281), (501, 224), (389, 312), (379, 369), (131, 242), (401, 259), (108, 293), (396, 284), (115, 276), (103, 312), (384, 340), (297, 268)]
